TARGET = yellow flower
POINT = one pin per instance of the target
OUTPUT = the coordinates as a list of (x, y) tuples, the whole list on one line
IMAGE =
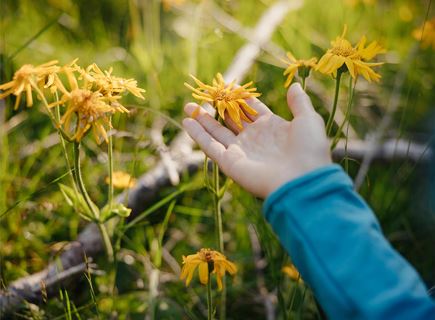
[(292, 272), (426, 34), (294, 65), (28, 77), (122, 180), (110, 85), (208, 261), (88, 108), (230, 98), (344, 57)]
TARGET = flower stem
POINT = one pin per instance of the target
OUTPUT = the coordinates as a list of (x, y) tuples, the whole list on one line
[(219, 233), (50, 114), (110, 156), (304, 83), (217, 208), (352, 85), (64, 150), (330, 122), (349, 107), (89, 203), (209, 300)]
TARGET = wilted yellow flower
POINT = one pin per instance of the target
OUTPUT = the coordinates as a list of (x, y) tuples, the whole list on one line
[(27, 78), (230, 98), (208, 261), (426, 34), (344, 57), (122, 180), (108, 84), (294, 65), (86, 108), (292, 272)]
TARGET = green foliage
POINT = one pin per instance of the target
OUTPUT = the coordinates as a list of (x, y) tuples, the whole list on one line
[(160, 48)]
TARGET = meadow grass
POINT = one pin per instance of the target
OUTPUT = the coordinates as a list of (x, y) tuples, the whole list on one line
[(159, 48)]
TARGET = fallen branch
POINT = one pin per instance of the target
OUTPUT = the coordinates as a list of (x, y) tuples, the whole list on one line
[(388, 151)]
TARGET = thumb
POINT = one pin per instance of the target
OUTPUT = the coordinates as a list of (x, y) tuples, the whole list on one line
[(298, 101)]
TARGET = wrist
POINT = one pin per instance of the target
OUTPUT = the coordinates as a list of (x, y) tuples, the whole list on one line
[(292, 172)]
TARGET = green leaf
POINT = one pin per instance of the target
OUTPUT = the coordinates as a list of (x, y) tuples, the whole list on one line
[(117, 209), (76, 200)]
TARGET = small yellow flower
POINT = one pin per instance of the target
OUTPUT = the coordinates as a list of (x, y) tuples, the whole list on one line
[(122, 180), (426, 34), (229, 98), (294, 65), (292, 272), (28, 77), (207, 261), (344, 57)]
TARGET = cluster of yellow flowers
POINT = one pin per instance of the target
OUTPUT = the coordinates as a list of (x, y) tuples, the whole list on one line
[(90, 98), (341, 57)]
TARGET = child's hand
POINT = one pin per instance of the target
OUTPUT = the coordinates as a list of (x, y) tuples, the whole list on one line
[(268, 152)]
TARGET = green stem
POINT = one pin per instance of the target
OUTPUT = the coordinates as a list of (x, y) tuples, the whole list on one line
[(89, 203), (219, 232), (64, 150), (50, 114), (110, 156), (217, 208), (351, 94), (330, 122), (304, 83), (209, 300), (347, 116)]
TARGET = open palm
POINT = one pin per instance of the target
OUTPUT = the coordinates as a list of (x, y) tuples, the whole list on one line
[(269, 151)]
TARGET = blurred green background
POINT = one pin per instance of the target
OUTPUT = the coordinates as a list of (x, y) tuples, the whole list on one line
[(160, 45)]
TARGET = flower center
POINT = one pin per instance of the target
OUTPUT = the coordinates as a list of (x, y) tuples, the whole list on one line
[(86, 104), (344, 51), (207, 255), (222, 95)]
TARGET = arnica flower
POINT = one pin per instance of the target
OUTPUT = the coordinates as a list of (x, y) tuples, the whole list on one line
[(207, 261), (426, 34), (86, 108), (110, 85), (344, 57), (303, 67), (292, 272), (122, 180), (28, 77), (229, 98)]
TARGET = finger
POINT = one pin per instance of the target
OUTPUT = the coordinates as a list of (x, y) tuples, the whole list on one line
[(258, 106), (298, 101), (207, 143), (218, 131)]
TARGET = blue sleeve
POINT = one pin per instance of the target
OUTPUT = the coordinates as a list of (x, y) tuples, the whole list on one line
[(337, 245)]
